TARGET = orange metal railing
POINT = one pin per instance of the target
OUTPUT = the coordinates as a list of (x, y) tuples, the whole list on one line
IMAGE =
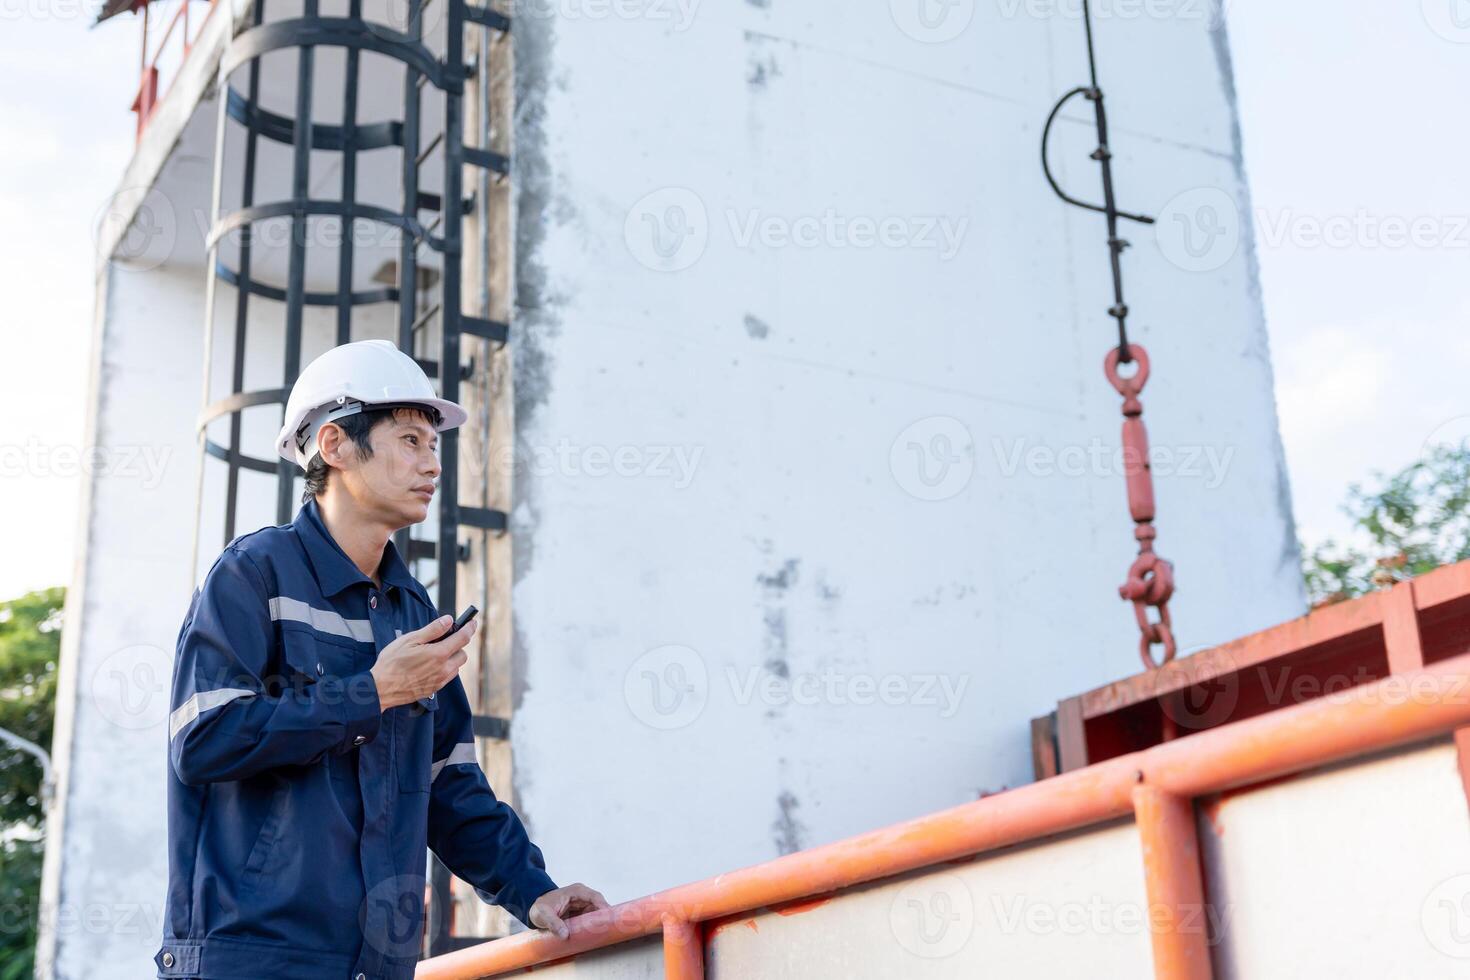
[(147, 99), (1157, 786)]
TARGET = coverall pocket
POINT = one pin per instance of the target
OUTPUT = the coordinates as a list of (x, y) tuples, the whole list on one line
[(309, 658), (269, 835), (414, 726)]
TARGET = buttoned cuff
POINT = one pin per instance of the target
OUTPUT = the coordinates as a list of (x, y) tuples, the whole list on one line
[(518, 899), (362, 710)]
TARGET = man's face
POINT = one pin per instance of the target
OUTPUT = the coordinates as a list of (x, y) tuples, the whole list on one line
[(396, 484)]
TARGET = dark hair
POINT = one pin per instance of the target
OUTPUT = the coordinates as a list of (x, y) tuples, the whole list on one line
[(357, 428)]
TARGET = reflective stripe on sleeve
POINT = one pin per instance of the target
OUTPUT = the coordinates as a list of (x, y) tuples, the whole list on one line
[(462, 753), (200, 703)]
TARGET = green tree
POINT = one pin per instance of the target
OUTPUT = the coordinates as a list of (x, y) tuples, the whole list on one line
[(30, 643), (1413, 521)]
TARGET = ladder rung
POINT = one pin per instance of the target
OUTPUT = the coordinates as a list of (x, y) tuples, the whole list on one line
[(496, 162), (488, 329), (487, 17)]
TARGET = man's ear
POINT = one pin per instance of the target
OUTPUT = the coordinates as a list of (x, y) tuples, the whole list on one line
[(333, 444)]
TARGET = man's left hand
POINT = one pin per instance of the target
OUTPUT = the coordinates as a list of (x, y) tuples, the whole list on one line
[(559, 904)]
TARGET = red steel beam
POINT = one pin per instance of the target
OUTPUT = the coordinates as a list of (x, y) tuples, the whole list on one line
[(1393, 711), (1175, 890)]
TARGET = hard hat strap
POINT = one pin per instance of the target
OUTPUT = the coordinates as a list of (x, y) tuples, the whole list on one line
[(343, 407)]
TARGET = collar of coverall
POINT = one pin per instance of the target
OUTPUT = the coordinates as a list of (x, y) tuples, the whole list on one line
[(334, 570)]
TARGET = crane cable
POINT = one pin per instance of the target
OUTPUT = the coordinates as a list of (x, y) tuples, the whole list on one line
[(1150, 580)]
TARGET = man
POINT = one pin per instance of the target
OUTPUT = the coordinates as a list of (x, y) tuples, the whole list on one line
[(320, 738)]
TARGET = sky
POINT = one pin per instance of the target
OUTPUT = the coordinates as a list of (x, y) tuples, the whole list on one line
[(1352, 121), (65, 136), (1355, 149)]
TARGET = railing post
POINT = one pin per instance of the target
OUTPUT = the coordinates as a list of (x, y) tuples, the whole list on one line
[(146, 98), (1401, 640), (1178, 925), (683, 950)]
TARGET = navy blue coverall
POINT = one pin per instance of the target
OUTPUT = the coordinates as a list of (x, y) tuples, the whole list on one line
[(299, 813)]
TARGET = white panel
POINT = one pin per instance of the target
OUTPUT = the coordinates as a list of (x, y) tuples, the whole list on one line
[(1069, 908), (1358, 872), (641, 960)]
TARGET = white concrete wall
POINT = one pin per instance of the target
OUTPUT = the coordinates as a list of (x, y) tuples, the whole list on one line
[(106, 871), (694, 646)]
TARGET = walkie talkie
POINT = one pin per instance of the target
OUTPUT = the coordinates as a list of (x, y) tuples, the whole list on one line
[(470, 613)]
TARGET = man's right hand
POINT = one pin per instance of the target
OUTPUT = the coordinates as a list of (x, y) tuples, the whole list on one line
[(420, 663)]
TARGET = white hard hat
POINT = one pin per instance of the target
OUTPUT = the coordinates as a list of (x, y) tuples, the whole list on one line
[(350, 379)]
